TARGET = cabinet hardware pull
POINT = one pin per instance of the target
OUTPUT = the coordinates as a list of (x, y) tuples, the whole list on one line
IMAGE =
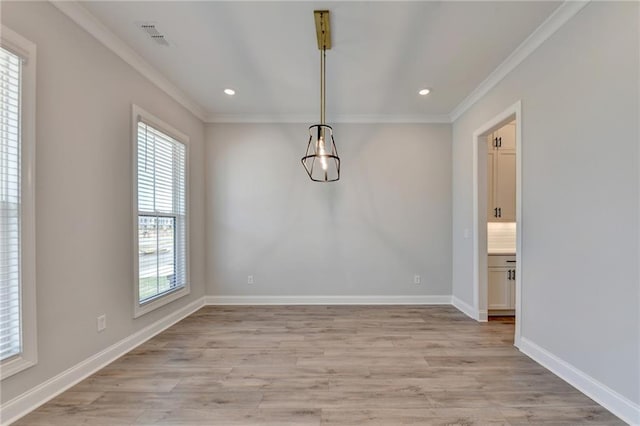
[(511, 261), (495, 142), (495, 212), (499, 211), (509, 274), (500, 142)]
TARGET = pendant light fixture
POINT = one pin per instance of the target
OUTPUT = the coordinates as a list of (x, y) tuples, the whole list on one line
[(321, 160)]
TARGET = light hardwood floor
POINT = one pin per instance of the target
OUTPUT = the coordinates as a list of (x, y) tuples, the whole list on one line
[(334, 365)]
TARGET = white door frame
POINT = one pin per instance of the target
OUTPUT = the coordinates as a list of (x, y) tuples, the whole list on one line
[(480, 238)]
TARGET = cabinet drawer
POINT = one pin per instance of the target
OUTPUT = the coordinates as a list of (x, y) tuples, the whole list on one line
[(501, 261)]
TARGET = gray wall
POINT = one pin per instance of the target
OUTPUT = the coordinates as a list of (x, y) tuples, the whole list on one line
[(388, 218), (580, 279), (83, 191)]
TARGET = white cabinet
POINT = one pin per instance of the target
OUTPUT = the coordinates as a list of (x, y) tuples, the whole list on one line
[(502, 284), (501, 174)]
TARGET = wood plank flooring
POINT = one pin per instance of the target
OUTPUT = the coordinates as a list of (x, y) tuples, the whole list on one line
[(329, 365)]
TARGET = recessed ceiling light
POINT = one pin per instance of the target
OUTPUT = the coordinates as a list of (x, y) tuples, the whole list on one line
[(424, 92), (230, 92)]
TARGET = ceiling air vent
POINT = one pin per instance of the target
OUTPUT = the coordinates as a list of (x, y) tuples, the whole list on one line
[(152, 31)]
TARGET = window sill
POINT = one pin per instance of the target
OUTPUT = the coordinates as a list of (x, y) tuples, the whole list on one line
[(141, 309), (14, 366)]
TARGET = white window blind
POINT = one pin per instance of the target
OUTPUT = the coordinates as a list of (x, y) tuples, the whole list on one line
[(10, 205), (162, 210)]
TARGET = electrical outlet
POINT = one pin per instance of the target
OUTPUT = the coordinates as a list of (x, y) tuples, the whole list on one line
[(417, 279), (250, 279), (102, 322)]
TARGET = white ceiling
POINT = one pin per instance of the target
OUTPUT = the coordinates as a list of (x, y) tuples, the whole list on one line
[(383, 52)]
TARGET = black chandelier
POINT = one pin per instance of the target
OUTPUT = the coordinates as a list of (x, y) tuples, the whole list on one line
[(321, 159)]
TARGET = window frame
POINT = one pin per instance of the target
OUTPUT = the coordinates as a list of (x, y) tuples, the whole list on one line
[(28, 357), (140, 115)]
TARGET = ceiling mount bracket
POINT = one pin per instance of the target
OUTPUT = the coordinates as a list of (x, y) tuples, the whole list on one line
[(323, 29)]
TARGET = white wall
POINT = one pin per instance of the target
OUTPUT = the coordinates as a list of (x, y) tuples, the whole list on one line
[(388, 218), (580, 278), (83, 191)]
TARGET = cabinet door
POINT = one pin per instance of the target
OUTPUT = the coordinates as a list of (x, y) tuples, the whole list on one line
[(491, 182), (505, 185), (512, 292), (507, 136), (499, 289)]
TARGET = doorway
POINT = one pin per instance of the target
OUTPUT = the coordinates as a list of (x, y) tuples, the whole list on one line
[(481, 214)]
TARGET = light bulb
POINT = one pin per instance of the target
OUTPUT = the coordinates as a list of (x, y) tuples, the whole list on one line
[(323, 153)]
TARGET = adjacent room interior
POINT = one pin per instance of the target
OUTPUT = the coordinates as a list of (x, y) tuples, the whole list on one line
[(307, 213)]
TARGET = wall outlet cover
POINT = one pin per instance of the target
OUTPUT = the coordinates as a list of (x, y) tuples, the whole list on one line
[(102, 322)]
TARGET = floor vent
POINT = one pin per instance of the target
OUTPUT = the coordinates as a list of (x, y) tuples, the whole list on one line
[(152, 31)]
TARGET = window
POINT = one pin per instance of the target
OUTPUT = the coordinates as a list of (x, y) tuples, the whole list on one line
[(17, 219), (161, 213), (10, 194)]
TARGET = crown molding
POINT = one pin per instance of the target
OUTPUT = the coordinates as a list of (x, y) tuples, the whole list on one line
[(81, 16), (345, 118), (260, 118), (557, 19)]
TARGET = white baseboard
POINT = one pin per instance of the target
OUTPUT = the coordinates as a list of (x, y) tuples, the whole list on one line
[(619, 405), (502, 313), (23, 404), (328, 300), (464, 307)]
